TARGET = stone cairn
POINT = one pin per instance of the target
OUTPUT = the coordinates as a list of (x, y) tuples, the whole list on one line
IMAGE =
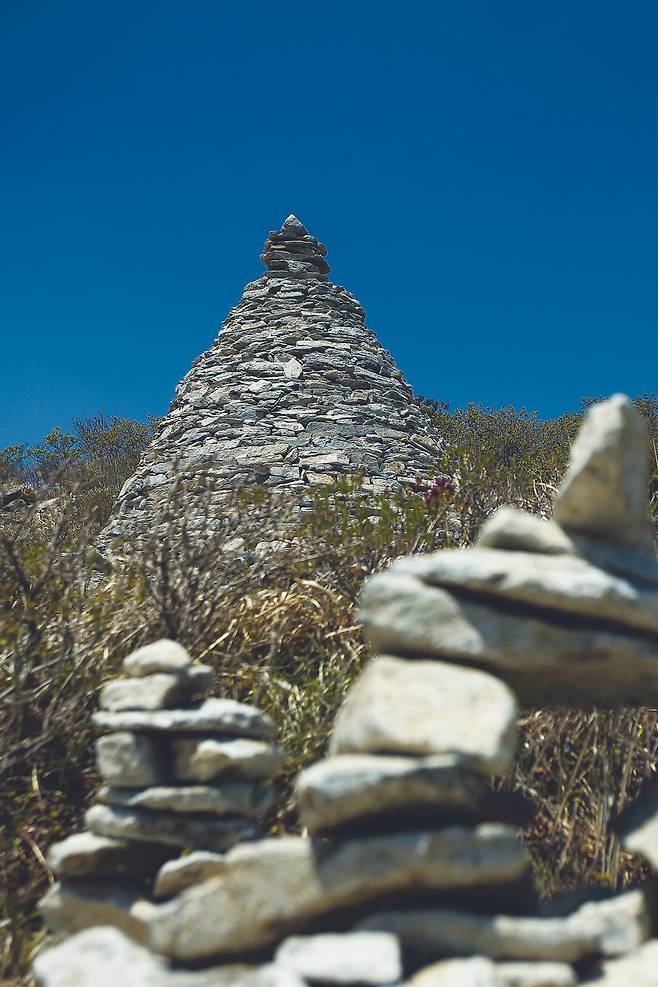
[(411, 872), (295, 392), (180, 774)]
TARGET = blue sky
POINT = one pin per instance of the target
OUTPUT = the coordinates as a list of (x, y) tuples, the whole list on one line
[(484, 174)]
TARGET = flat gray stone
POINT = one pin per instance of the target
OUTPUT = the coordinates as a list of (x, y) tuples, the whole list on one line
[(636, 970), (343, 958), (160, 656), (610, 927), (176, 875), (128, 760), (473, 972), (604, 493), (70, 906), (232, 757), (173, 829), (221, 716), (563, 583), (85, 854), (372, 789), (232, 798), (511, 529), (275, 887), (545, 661), (150, 692), (536, 975), (430, 719)]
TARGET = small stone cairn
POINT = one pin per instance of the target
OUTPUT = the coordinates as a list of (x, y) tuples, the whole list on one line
[(412, 872), (180, 774)]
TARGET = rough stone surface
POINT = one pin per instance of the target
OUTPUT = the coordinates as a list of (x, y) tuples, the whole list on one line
[(514, 530), (171, 828), (604, 492), (176, 875), (232, 757), (611, 927), (295, 391), (473, 972), (349, 958), (156, 691), (128, 760), (159, 656), (232, 798), (536, 975), (558, 583), (365, 791), (275, 887), (85, 854), (74, 905), (544, 660), (637, 970), (221, 716), (418, 708)]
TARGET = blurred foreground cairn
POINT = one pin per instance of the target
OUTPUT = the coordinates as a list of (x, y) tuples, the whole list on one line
[(412, 871)]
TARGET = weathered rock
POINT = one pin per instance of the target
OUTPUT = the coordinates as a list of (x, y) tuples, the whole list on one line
[(85, 854), (128, 760), (536, 975), (637, 826), (544, 659), (348, 958), (511, 529), (474, 972), (564, 584), (220, 716), (636, 970), (363, 791), (430, 719), (74, 905), (171, 828), (231, 757), (604, 492), (610, 927), (276, 887), (104, 957), (159, 656), (151, 692), (232, 798), (176, 875)]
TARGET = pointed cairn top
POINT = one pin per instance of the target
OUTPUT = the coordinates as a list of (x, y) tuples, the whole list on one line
[(292, 252), (604, 493)]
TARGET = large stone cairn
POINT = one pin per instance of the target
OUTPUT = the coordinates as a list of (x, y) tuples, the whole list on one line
[(179, 774), (411, 871), (295, 391)]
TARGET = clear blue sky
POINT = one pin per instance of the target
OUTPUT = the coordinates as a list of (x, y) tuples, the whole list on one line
[(484, 174)]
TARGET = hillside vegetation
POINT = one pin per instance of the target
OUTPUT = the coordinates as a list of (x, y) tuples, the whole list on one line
[(280, 631)]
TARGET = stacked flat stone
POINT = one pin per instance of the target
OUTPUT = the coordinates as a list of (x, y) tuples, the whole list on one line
[(295, 392), (180, 774)]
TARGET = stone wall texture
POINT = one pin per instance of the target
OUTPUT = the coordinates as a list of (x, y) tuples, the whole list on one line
[(295, 391)]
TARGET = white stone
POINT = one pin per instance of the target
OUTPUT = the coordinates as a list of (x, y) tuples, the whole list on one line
[(637, 970), (604, 491), (160, 656), (211, 759), (610, 927), (512, 529), (536, 975), (417, 707), (561, 583), (232, 798), (221, 716), (150, 692), (99, 957), (128, 760), (275, 887), (473, 972), (343, 958), (70, 906), (84, 854), (293, 368), (171, 828), (176, 875)]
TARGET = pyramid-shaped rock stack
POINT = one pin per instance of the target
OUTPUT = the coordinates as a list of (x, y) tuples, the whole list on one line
[(294, 391)]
